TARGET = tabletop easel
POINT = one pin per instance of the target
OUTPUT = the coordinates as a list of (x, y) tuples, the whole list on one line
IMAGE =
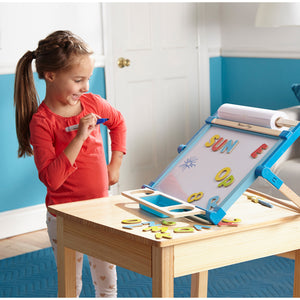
[(217, 165)]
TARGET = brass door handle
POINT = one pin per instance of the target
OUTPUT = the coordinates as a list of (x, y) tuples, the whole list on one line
[(123, 62)]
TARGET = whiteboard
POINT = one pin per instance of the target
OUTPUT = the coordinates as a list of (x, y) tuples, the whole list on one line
[(211, 169)]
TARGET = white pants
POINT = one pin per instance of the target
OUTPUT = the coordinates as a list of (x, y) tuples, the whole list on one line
[(104, 274)]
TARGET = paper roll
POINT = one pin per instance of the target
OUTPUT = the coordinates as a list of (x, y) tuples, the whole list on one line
[(251, 115)]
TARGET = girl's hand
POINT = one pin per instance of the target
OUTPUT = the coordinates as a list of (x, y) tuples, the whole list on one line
[(86, 125)]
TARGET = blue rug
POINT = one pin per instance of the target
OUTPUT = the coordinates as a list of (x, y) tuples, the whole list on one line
[(34, 275)]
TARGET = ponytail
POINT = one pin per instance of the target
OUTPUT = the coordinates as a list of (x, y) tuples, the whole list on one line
[(54, 53), (25, 101)]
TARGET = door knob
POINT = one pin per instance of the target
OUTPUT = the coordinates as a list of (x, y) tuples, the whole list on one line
[(123, 62)]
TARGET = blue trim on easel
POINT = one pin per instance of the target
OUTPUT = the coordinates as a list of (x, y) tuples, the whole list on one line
[(264, 170), (289, 138), (284, 141), (269, 175), (214, 216)]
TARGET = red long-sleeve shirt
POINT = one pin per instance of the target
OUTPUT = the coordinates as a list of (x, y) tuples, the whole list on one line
[(88, 177)]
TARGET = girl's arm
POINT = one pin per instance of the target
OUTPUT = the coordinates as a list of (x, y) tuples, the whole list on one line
[(114, 167)]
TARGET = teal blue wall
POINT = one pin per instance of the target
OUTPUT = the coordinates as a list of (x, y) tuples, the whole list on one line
[(19, 183), (259, 82)]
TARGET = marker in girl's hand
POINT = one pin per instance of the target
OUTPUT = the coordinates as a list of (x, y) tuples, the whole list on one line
[(75, 127)]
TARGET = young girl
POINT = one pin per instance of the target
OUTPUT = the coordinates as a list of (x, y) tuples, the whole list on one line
[(71, 164)]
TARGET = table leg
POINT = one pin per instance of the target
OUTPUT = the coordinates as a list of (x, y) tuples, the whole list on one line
[(66, 265), (199, 285), (163, 272), (297, 274)]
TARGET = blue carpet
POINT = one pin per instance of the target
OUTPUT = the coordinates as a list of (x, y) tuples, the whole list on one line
[(34, 275)]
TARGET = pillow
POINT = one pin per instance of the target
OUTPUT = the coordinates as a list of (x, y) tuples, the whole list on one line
[(296, 89)]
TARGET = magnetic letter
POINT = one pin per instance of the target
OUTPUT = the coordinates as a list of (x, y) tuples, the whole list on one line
[(259, 150), (163, 235), (195, 197), (152, 228), (212, 202), (131, 221), (229, 146), (218, 144), (212, 140), (168, 223), (227, 181), (219, 177), (184, 230)]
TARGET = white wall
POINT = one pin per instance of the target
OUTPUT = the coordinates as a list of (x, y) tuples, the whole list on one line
[(22, 25), (230, 31), (210, 28), (240, 37)]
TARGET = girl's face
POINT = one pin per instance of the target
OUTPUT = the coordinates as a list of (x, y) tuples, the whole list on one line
[(68, 86)]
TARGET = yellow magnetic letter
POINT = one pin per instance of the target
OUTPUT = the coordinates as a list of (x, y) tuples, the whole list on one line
[(212, 140), (227, 170)]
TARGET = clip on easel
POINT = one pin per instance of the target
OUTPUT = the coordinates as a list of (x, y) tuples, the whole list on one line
[(220, 162)]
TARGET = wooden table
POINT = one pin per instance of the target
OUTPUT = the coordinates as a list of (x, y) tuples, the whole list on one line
[(94, 227)]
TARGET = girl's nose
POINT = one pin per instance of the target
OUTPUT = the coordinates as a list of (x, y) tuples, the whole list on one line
[(85, 87)]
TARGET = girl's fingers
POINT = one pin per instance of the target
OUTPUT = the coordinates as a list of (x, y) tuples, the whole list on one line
[(86, 125), (95, 117), (91, 119)]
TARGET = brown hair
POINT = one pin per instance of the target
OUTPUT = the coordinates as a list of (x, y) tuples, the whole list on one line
[(54, 53)]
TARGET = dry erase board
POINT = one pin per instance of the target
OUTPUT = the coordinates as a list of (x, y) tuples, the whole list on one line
[(217, 162)]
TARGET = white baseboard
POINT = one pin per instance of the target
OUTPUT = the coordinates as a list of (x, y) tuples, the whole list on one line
[(22, 220)]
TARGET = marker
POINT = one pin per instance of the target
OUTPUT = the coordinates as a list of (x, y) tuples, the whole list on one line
[(259, 200), (264, 203), (75, 127)]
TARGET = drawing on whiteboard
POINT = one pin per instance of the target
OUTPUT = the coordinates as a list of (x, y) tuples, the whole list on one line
[(189, 163)]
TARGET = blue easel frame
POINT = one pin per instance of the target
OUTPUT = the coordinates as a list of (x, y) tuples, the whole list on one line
[(285, 139)]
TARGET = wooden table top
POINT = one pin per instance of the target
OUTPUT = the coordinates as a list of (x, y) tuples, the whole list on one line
[(107, 214)]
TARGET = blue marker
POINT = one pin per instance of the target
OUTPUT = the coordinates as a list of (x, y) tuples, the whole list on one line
[(75, 127), (264, 203)]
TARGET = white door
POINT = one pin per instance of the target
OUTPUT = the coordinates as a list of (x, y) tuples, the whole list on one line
[(158, 92)]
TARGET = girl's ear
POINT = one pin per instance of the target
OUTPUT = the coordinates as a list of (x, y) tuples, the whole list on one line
[(49, 76)]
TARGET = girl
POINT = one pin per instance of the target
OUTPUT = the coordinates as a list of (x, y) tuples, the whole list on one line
[(71, 164)]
